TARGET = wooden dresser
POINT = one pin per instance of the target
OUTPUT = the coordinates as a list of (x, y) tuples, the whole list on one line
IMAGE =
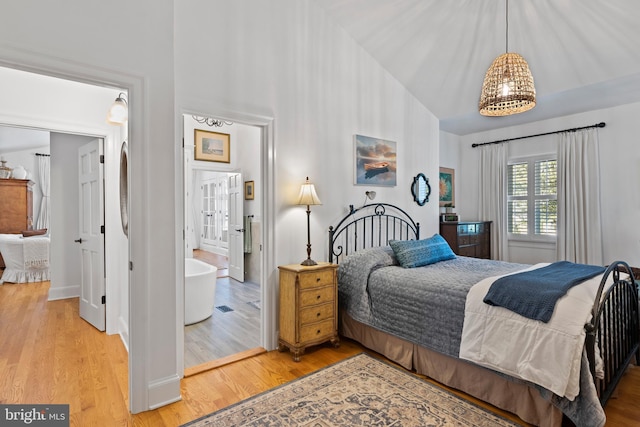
[(468, 238), (308, 307), (16, 207)]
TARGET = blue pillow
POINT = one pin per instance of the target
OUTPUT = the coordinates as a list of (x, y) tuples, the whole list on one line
[(416, 253)]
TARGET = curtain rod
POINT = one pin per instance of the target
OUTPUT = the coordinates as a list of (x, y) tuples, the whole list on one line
[(597, 125), (45, 155)]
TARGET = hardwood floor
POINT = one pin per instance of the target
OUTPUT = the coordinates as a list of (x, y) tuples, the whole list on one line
[(49, 355)]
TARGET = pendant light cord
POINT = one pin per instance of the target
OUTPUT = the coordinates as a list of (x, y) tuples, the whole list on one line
[(507, 25)]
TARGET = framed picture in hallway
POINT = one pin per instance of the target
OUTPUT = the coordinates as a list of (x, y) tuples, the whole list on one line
[(249, 190), (212, 146)]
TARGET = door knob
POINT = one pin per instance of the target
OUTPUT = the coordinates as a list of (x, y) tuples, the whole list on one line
[(240, 230), (79, 240)]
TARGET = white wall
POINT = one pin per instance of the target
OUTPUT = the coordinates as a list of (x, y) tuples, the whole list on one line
[(619, 177), (66, 274), (128, 45), (287, 60), (249, 155), (449, 158)]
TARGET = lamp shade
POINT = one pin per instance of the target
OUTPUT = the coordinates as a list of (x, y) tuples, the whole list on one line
[(308, 194), (119, 112), (508, 87)]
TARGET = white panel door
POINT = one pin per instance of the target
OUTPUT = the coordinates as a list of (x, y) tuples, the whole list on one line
[(236, 227), (91, 237)]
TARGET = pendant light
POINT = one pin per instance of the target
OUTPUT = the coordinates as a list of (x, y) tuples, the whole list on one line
[(508, 85)]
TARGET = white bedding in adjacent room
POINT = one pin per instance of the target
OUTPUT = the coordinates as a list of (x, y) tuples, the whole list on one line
[(26, 258)]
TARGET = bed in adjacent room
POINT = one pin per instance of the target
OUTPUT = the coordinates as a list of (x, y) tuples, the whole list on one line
[(26, 258), (418, 315)]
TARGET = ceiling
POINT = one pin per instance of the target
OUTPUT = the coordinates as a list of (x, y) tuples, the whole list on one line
[(583, 54), (19, 139)]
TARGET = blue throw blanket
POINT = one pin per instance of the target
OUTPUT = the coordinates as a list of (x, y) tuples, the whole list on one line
[(533, 294)]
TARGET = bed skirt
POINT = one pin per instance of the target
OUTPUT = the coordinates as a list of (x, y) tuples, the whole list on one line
[(479, 382)]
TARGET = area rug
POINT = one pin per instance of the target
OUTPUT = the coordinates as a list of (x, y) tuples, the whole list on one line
[(359, 391)]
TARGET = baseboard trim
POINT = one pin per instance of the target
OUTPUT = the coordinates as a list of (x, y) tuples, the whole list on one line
[(123, 331), (164, 391), (56, 293)]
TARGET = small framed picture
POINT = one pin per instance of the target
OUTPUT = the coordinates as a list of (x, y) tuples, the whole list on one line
[(447, 187), (249, 190), (212, 146)]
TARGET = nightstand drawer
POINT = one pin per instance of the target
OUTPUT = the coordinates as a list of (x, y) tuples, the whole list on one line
[(316, 296), (317, 331), (316, 313), (316, 278)]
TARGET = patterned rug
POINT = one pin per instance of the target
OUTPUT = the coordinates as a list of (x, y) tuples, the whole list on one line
[(359, 391)]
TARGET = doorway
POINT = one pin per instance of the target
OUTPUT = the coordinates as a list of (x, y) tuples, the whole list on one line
[(31, 110), (223, 227)]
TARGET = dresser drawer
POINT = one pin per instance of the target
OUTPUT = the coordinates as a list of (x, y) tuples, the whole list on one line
[(317, 331), (316, 313), (316, 296), (314, 279)]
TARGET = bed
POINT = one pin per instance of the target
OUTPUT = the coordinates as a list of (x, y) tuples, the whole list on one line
[(26, 258), (416, 317)]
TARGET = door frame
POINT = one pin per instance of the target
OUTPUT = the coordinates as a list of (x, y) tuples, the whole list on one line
[(268, 281)]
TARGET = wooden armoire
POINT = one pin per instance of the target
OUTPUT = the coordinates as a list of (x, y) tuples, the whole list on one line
[(16, 207)]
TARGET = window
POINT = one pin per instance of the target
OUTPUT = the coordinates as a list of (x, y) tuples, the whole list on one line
[(532, 199)]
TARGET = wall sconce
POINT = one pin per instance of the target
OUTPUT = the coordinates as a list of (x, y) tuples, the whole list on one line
[(119, 112), (308, 197), (368, 195)]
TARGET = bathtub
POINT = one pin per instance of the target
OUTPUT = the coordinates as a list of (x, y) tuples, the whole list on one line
[(199, 290)]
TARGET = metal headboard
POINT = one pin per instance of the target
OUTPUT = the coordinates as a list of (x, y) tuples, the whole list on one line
[(370, 226)]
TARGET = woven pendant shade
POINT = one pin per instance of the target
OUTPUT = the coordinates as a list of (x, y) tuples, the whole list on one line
[(508, 87)]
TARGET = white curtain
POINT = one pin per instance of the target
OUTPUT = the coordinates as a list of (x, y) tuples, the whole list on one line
[(492, 204), (579, 222), (44, 180)]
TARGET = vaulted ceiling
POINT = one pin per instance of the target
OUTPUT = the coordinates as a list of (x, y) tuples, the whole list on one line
[(583, 54)]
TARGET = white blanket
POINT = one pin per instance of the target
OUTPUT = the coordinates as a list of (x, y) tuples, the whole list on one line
[(547, 354), (36, 252)]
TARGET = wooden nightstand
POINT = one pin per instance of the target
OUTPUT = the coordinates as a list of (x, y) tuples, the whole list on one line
[(308, 307)]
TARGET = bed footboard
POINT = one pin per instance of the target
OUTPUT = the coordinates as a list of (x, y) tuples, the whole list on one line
[(614, 331)]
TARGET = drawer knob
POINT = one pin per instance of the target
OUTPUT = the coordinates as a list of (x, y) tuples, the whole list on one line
[(318, 297), (318, 331), (317, 279), (318, 315)]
